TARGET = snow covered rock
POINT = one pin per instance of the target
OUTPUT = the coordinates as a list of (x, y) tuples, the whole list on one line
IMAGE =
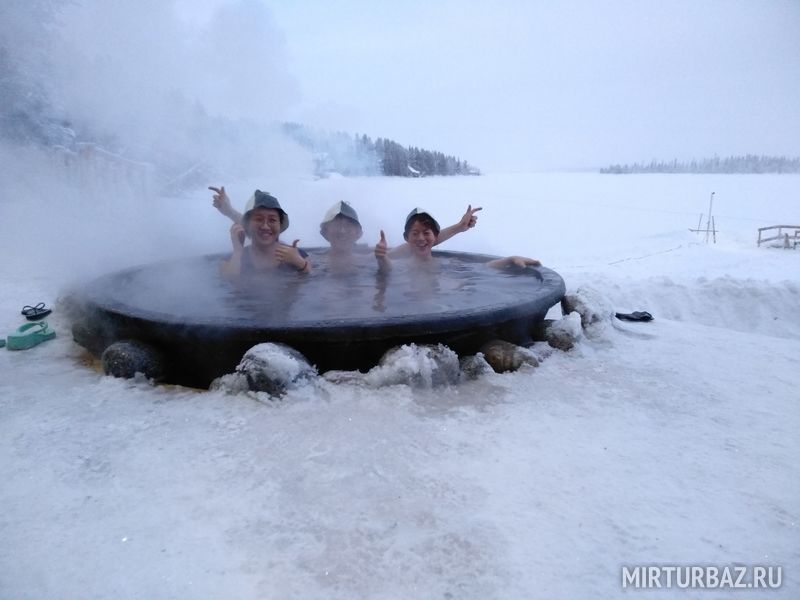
[(416, 366), (275, 368), (344, 377), (230, 383), (474, 366), (590, 304), (505, 356), (128, 357), (564, 333)]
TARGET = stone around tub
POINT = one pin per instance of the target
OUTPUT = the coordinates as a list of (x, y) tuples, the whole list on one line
[(505, 356), (275, 368), (590, 304), (561, 334), (474, 366), (422, 366), (128, 357)]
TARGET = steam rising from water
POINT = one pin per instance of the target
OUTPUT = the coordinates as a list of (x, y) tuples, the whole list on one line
[(168, 101), (233, 64)]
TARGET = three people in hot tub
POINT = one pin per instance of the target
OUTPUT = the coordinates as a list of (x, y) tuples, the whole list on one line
[(340, 227)]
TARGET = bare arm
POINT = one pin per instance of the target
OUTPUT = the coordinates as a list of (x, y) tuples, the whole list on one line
[(515, 261), (223, 204), (231, 269), (467, 222)]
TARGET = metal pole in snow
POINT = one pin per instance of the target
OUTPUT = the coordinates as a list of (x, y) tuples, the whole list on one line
[(708, 223)]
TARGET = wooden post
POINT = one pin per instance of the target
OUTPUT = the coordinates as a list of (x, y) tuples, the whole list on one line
[(708, 222)]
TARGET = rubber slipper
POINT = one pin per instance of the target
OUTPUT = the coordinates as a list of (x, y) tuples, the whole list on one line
[(29, 335), (34, 313), (635, 316)]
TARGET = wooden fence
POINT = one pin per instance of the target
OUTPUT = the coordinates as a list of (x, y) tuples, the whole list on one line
[(790, 238), (91, 166)]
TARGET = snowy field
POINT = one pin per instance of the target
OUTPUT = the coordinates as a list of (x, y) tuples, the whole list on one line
[(673, 442)]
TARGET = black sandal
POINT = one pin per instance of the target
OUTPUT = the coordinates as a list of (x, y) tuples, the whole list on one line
[(635, 316), (35, 313)]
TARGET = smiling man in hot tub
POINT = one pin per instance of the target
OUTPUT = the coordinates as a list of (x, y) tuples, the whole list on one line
[(422, 234)]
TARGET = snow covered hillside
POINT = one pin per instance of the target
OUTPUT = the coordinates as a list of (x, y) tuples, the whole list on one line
[(672, 442)]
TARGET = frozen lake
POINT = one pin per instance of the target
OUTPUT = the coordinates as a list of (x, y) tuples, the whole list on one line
[(662, 443)]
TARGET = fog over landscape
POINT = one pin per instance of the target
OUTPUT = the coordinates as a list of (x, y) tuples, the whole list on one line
[(508, 86), (667, 442)]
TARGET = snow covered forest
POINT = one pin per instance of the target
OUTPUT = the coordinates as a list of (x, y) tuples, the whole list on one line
[(177, 138), (358, 155), (28, 116), (749, 163)]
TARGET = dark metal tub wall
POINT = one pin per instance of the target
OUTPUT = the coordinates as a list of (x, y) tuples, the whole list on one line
[(201, 348)]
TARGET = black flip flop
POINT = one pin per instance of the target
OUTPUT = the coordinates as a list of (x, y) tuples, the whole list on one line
[(635, 316), (35, 313)]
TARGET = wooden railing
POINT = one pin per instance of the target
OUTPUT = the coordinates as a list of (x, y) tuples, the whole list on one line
[(791, 239), (91, 166)]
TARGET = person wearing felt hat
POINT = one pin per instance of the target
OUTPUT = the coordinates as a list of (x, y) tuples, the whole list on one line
[(342, 229), (422, 234), (263, 221)]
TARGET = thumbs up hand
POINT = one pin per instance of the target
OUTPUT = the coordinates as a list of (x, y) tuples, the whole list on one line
[(291, 255), (381, 249)]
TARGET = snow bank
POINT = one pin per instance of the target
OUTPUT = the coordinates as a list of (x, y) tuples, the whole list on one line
[(747, 305), (669, 442)]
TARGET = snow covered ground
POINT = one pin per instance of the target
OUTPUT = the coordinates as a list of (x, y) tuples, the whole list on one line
[(665, 443)]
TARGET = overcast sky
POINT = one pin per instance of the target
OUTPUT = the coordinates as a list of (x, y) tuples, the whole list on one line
[(508, 85), (539, 85)]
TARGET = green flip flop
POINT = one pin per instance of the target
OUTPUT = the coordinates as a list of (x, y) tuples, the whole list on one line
[(29, 335)]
